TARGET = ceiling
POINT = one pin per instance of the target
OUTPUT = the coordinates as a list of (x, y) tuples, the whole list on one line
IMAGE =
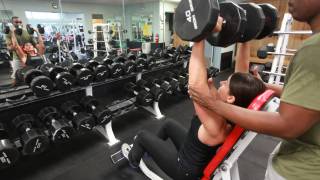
[(111, 2), (108, 1)]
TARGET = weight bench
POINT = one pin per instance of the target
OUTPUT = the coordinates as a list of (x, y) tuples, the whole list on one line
[(224, 164)]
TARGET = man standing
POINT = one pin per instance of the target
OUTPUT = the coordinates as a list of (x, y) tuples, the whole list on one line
[(22, 37)]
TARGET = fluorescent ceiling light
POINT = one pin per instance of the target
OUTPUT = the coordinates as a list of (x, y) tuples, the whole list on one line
[(173, 1)]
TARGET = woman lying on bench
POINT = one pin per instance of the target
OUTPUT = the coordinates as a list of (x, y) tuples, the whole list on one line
[(195, 147), (30, 54)]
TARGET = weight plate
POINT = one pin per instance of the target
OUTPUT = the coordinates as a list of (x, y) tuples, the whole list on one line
[(255, 21), (271, 21), (64, 81), (230, 12), (195, 19), (243, 23), (140, 64), (131, 56), (129, 67), (101, 73), (91, 64), (31, 74), (22, 119), (9, 154), (84, 122), (46, 67), (47, 113), (63, 134), (116, 70), (41, 86), (76, 66), (54, 71), (19, 75), (34, 142), (85, 77)]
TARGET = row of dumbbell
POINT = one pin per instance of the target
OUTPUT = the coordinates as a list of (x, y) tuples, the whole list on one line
[(43, 80), (81, 117), (170, 53), (34, 134), (149, 90)]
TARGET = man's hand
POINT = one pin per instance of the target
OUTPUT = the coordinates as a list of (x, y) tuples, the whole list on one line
[(212, 88), (256, 73), (203, 96), (218, 27)]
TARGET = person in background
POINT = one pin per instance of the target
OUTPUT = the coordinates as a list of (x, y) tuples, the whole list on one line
[(17, 38)]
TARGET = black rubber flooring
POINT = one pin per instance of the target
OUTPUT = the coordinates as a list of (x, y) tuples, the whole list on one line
[(87, 157), (5, 73)]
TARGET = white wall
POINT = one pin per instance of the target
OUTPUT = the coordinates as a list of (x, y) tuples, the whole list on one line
[(20, 6), (165, 7)]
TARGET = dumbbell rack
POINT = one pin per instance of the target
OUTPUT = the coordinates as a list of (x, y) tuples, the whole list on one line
[(106, 130), (106, 37), (281, 49)]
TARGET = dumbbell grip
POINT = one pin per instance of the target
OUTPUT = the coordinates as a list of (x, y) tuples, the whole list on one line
[(135, 92), (93, 107), (174, 79), (165, 81), (157, 85), (223, 25), (55, 124)]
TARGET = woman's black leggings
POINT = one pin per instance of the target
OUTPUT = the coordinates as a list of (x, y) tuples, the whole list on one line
[(165, 156)]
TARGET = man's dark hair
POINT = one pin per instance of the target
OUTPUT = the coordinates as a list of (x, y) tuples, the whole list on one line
[(14, 17), (245, 87)]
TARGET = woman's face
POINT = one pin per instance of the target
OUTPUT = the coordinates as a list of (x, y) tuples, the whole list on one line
[(28, 47), (224, 91)]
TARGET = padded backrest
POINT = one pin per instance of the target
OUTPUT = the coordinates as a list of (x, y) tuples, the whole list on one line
[(257, 104)]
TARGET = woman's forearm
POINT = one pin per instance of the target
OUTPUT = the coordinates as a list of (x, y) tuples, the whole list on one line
[(197, 66), (242, 58), (40, 46), (41, 49)]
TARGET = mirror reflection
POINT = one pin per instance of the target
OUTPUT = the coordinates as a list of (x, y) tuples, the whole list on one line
[(61, 32)]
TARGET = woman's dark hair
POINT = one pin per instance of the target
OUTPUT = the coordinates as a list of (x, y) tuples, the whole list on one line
[(245, 87)]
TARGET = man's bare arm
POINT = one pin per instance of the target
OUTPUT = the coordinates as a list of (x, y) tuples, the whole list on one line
[(22, 56), (276, 88), (282, 124)]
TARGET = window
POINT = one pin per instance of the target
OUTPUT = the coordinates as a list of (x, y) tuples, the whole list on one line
[(42, 15)]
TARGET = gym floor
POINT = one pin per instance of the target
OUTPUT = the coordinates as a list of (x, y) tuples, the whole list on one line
[(88, 156), (5, 73)]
